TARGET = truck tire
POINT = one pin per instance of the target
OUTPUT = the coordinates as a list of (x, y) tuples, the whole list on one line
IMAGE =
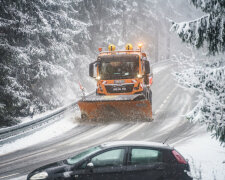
[(150, 96), (84, 117)]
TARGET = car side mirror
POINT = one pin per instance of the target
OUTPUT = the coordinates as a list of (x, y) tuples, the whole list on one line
[(90, 165), (147, 67)]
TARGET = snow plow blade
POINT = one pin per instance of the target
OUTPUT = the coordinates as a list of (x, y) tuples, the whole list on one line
[(131, 107)]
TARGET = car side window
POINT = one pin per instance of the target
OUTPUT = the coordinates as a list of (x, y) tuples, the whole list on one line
[(109, 158), (140, 156)]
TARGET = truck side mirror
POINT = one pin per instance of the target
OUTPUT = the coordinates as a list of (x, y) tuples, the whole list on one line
[(147, 67), (91, 70), (92, 66)]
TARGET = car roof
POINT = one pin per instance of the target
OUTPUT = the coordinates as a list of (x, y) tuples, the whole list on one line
[(136, 143)]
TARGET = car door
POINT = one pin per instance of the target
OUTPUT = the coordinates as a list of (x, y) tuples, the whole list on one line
[(109, 164), (145, 164), (81, 174)]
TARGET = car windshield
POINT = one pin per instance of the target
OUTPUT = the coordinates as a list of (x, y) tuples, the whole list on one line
[(119, 67), (83, 155)]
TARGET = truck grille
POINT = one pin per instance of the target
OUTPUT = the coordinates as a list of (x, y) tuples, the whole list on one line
[(119, 88)]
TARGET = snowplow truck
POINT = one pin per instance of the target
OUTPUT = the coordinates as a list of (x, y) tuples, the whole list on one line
[(123, 86)]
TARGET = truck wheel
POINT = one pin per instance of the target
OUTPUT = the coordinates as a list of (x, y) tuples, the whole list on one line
[(150, 96), (84, 117)]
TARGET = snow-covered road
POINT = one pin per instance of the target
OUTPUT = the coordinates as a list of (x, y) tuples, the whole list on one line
[(170, 104)]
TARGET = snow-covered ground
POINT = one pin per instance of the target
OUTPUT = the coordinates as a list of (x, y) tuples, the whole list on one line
[(205, 154), (42, 135), (19, 178), (206, 157), (159, 69)]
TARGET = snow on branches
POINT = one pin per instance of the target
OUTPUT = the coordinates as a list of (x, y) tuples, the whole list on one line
[(208, 30), (208, 6), (209, 80)]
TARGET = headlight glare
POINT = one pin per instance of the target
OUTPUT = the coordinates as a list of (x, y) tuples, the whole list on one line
[(38, 176)]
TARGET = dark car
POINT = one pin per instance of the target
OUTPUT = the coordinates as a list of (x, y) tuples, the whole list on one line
[(120, 160)]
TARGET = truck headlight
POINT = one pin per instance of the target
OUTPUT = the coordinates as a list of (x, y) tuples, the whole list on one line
[(38, 176)]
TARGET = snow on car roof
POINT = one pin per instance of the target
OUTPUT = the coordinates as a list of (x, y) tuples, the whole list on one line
[(136, 143)]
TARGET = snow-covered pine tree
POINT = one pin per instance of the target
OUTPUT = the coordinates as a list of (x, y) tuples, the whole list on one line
[(207, 78), (208, 30), (209, 81)]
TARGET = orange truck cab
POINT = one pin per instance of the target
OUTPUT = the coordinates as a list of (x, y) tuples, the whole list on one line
[(120, 72), (122, 83)]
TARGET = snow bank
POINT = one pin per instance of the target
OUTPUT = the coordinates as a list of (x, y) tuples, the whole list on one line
[(42, 135), (41, 115), (206, 157), (159, 69)]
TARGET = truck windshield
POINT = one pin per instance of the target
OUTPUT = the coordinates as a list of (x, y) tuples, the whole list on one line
[(118, 69)]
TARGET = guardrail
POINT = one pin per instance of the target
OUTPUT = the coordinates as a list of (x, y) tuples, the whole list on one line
[(11, 133)]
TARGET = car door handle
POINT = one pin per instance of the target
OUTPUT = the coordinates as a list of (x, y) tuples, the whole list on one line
[(160, 168)]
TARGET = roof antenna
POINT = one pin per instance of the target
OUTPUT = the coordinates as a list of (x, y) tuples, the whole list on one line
[(168, 137), (166, 140)]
